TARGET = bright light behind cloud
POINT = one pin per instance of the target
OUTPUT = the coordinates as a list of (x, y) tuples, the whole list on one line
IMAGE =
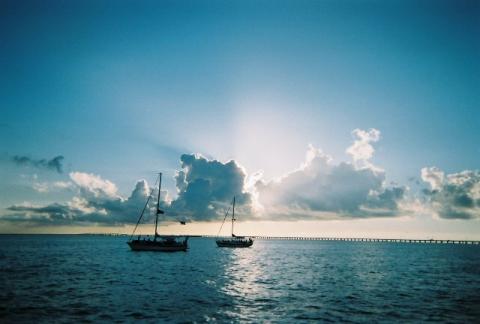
[(267, 137), (319, 188)]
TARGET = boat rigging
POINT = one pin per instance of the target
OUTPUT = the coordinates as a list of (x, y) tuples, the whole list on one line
[(160, 243)]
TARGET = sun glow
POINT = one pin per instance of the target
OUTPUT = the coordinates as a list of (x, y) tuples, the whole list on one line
[(267, 138)]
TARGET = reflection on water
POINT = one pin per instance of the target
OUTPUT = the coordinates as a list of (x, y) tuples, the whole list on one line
[(70, 278), (244, 275)]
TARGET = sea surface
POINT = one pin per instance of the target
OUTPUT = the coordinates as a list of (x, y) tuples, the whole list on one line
[(70, 278)]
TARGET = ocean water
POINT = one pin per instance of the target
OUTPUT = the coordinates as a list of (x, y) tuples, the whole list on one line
[(65, 278)]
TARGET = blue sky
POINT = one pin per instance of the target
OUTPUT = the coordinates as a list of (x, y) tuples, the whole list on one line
[(121, 89)]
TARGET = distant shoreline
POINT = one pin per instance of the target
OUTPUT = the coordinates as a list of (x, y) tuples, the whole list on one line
[(283, 238)]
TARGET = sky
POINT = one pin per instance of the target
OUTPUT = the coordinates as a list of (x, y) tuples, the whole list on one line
[(356, 118)]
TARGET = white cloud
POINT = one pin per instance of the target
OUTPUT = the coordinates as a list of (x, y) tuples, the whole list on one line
[(362, 149), (318, 189), (94, 185), (62, 184), (322, 189), (433, 176), (81, 204), (455, 195), (44, 187), (96, 201)]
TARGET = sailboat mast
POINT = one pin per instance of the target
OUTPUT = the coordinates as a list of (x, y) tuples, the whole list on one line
[(158, 204), (233, 214)]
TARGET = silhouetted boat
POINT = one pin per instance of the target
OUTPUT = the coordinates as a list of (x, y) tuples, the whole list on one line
[(160, 243), (234, 241)]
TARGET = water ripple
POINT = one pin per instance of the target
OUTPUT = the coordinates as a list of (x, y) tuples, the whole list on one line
[(97, 279)]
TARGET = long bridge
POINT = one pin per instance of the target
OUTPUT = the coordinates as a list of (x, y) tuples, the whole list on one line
[(358, 239), (338, 239)]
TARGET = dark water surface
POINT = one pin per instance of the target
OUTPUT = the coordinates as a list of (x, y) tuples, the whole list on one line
[(95, 278)]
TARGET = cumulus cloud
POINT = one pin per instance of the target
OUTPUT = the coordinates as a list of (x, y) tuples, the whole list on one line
[(455, 195), (362, 149), (322, 189), (55, 164), (206, 187), (318, 189), (40, 186), (97, 201), (433, 176), (94, 185)]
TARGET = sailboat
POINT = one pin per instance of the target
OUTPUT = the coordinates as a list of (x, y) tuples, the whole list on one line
[(234, 241), (160, 243)]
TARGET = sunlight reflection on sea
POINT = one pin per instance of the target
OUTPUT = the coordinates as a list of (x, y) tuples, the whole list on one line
[(95, 278)]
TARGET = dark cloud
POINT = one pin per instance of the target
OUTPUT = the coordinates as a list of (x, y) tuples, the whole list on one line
[(323, 189), (319, 189), (57, 213), (454, 195), (55, 164), (86, 208), (206, 187), (386, 201)]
